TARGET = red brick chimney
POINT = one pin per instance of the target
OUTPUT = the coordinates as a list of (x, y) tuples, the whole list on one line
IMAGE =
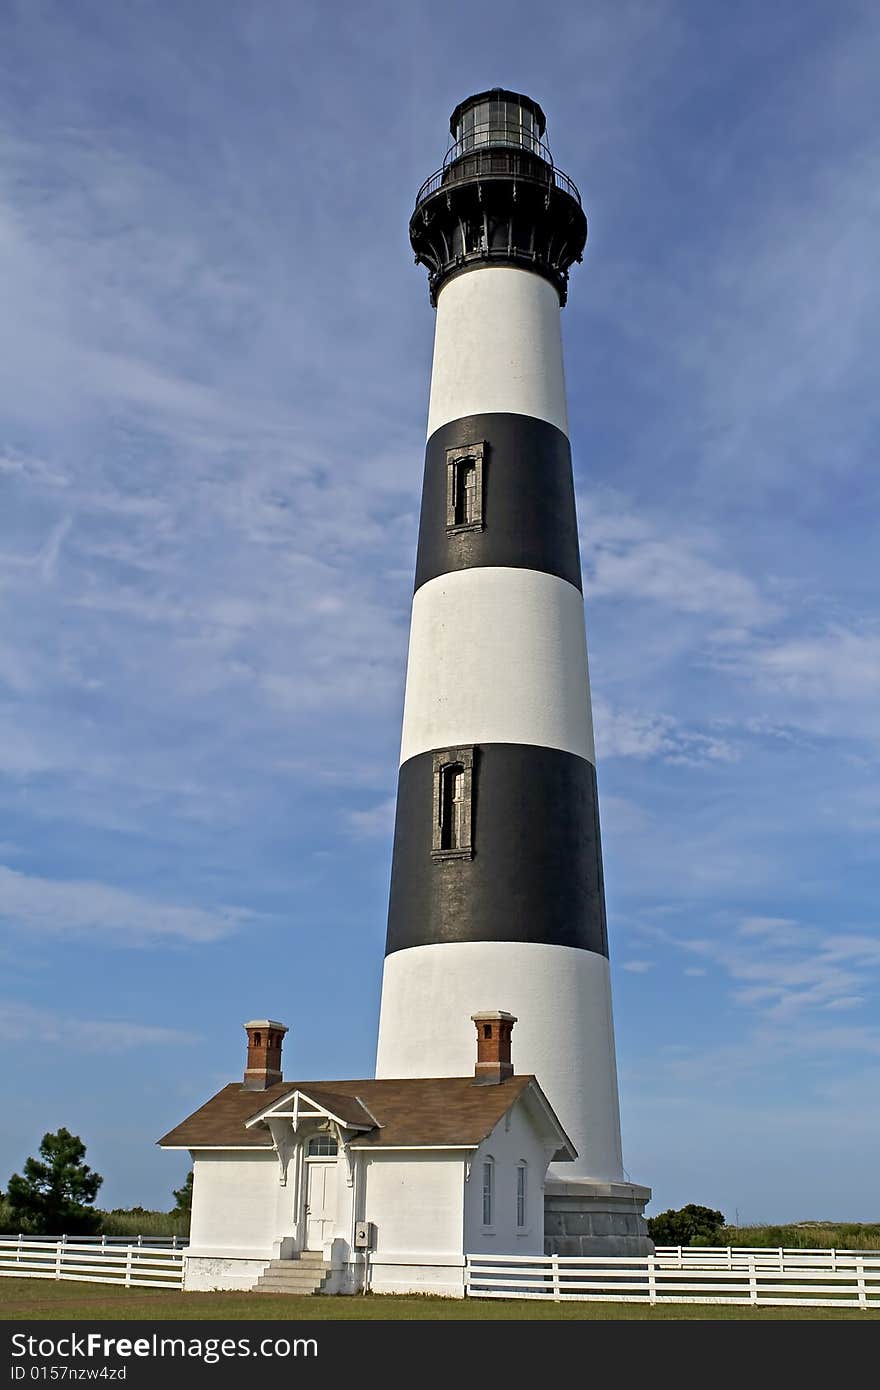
[(494, 1028), (264, 1053)]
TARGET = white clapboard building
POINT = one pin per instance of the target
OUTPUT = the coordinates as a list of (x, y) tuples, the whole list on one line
[(303, 1186)]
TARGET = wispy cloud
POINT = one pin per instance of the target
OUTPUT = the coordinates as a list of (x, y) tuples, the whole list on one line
[(631, 556), (782, 970), (117, 917), (20, 1023), (630, 734), (375, 821)]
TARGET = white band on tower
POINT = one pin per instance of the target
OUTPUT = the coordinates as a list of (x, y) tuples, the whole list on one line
[(498, 349)]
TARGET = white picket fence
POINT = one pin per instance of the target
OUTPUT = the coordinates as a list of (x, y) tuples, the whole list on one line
[(773, 1278), (134, 1266)]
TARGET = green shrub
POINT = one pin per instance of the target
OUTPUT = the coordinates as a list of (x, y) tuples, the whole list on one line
[(690, 1225)]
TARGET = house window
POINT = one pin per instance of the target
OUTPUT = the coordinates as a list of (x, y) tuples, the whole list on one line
[(521, 1194), (464, 489), (453, 804), (258, 1039), (325, 1146), (488, 1191)]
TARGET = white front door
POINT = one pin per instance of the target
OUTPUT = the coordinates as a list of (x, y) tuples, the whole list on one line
[(320, 1202)]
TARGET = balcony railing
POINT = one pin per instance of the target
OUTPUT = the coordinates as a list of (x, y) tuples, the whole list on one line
[(489, 162), (496, 134)]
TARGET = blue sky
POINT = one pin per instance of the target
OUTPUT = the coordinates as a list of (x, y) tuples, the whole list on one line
[(216, 353)]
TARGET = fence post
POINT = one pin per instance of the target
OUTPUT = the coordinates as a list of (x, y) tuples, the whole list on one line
[(753, 1281), (59, 1246), (128, 1255), (652, 1279), (554, 1267), (18, 1250), (860, 1276)]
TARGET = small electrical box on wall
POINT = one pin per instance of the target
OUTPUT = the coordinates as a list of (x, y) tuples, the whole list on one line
[(364, 1235)]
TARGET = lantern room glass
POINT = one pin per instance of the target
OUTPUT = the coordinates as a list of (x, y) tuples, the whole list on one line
[(497, 122)]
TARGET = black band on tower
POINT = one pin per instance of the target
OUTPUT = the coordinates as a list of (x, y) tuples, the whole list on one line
[(536, 868), (527, 507)]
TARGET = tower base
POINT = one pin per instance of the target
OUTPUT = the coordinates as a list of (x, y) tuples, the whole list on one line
[(588, 1218)]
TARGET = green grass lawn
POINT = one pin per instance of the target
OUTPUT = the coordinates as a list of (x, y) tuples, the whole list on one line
[(27, 1300)]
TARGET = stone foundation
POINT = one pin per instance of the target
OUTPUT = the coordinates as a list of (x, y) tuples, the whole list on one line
[(596, 1218)]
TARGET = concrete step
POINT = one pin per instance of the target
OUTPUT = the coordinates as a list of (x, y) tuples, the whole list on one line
[(302, 1285), (302, 1290), (303, 1274), (305, 1257)]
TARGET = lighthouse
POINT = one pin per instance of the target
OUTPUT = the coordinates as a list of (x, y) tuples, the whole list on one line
[(497, 897)]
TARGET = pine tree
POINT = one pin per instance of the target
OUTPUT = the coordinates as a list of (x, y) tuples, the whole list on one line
[(53, 1198), (183, 1196)]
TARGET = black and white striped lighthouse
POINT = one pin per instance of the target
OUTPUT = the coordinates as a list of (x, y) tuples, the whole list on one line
[(497, 896)]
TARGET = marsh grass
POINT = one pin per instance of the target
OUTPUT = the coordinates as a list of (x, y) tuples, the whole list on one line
[(144, 1223), (807, 1235)]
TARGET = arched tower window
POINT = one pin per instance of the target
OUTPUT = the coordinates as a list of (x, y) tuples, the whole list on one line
[(451, 816), (453, 804), (464, 489)]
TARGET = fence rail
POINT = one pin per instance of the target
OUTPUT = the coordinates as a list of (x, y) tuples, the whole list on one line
[(134, 1266), (171, 1242), (778, 1278), (771, 1256)]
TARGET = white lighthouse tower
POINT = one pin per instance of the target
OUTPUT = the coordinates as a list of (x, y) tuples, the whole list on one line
[(497, 896)]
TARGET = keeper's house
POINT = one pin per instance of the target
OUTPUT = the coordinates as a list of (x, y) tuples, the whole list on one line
[(323, 1185)]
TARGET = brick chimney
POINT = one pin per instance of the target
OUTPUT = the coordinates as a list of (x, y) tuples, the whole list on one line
[(494, 1028), (264, 1053)]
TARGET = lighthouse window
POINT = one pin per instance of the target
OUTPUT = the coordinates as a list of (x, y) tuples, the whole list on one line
[(453, 797), (464, 489)]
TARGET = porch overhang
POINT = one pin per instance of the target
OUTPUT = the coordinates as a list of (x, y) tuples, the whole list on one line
[(298, 1106)]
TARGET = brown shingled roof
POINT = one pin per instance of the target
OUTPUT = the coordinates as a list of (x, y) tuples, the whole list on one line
[(430, 1112)]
